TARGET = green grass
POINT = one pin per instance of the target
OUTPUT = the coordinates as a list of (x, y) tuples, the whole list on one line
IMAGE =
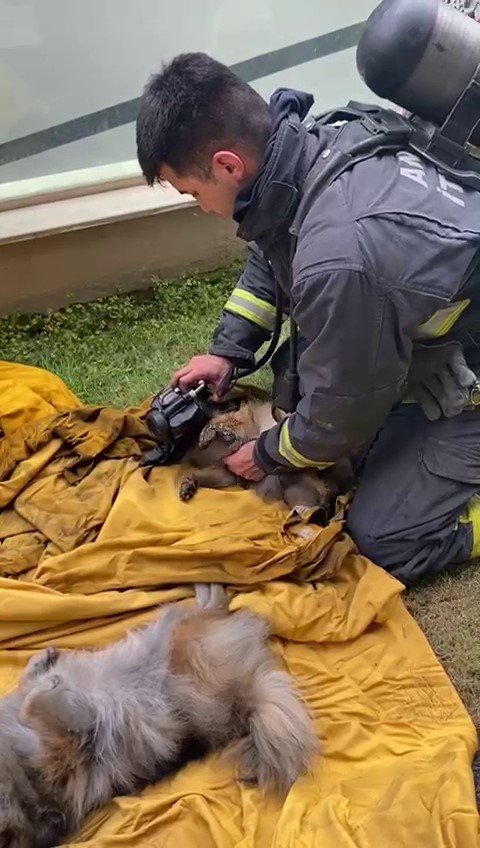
[(121, 349), (447, 610)]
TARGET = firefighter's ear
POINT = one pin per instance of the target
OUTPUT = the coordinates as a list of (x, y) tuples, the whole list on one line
[(228, 168)]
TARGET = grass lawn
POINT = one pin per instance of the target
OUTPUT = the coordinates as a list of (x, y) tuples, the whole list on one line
[(121, 349)]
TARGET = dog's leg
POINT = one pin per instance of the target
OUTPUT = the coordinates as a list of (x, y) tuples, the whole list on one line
[(303, 490), (215, 477), (188, 487), (223, 432), (269, 489), (213, 430), (211, 477), (211, 596)]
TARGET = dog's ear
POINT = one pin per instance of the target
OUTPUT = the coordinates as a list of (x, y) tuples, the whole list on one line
[(52, 707)]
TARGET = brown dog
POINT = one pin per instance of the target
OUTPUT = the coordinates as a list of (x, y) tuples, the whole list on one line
[(226, 433)]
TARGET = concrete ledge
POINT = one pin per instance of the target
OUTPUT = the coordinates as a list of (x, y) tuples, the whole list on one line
[(80, 259), (60, 186), (74, 213)]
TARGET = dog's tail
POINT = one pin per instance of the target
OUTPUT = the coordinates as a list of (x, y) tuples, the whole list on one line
[(282, 741)]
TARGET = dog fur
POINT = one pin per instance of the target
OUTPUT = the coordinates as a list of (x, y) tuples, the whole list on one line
[(84, 726), (226, 433)]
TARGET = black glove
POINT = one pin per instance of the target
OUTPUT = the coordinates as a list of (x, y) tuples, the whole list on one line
[(439, 379)]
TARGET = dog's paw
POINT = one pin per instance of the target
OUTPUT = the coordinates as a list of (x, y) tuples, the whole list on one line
[(228, 436), (188, 487), (207, 436), (225, 435)]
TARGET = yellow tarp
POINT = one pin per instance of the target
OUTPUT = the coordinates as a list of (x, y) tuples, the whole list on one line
[(90, 544)]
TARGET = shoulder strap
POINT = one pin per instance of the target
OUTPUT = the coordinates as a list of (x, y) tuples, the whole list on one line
[(365, 131), (351, 112)]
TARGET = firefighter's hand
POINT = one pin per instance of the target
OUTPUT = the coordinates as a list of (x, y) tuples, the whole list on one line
[(440, 379), (241, 463), (216, 371)]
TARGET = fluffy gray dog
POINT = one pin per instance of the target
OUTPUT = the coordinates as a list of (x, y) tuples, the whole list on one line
[(84, 726)]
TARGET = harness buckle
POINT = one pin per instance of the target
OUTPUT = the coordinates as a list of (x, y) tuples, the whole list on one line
[(474, 394)]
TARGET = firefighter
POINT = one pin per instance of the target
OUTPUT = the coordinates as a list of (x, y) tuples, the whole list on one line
[(381, 270)]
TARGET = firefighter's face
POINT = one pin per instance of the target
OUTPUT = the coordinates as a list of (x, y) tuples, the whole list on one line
[(217, 189)]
